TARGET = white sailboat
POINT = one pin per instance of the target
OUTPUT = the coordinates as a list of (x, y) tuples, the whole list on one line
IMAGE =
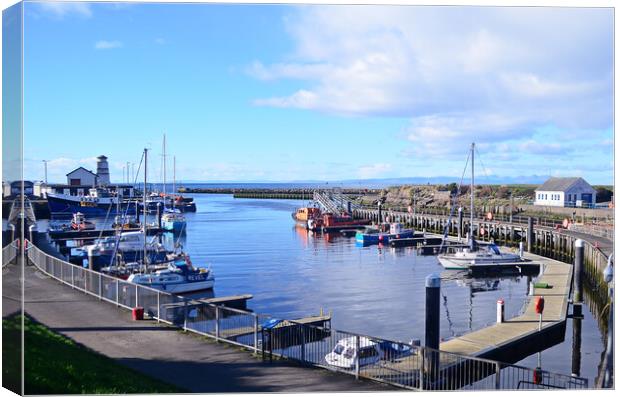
[(467, 258)]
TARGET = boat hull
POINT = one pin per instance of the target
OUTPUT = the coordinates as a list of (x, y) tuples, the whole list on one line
[(383, 238), (173, 226), (61, 205), (183, 287), (450, 262)]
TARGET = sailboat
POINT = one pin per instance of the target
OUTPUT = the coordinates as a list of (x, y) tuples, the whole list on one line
[(172, 219), (179, 276), (472, 256)]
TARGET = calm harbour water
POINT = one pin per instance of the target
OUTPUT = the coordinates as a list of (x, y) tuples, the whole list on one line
[(254, 246)]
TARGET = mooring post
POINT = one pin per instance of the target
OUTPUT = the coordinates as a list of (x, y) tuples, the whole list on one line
[(578, 278), (576, 357), (431, 337), (500, 311), (530, 234)]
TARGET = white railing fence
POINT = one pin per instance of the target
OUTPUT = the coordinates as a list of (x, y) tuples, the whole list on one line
[(393, 362)]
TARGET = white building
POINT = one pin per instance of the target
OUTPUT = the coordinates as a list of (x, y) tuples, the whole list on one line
[(565, 192), (81, 177)]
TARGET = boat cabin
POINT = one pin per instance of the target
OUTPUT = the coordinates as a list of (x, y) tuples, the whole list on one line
[(306, 213), (345, 353)]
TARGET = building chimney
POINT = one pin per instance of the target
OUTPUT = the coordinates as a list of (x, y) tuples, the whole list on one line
[(103, 171)]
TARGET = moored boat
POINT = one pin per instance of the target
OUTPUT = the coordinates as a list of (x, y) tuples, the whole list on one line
[(377, 235), (465, 258), (180, 277), (304, 214), (472, 256), (334, 223), (79, 222), (173, 221), (98, 202)]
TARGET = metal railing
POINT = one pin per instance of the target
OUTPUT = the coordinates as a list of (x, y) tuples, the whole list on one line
[(9, 253), (397, 363)]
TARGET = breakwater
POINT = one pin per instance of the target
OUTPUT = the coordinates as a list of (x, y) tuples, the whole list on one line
[(291, 193)]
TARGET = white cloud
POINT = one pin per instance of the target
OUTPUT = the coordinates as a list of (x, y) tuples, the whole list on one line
[(459, 73), (62, 9), (106, 45)]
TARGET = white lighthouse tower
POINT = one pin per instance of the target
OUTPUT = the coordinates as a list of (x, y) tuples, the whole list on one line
[(103, 171)]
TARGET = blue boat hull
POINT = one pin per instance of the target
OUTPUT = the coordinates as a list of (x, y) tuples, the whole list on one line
[(176, 227), (59, 206), (383, 238)]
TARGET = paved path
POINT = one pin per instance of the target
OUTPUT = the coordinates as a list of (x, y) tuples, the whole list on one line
[(163, 352)]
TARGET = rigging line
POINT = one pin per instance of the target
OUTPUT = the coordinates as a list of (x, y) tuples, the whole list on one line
[(454, 202), (482, 163), (125, 214)]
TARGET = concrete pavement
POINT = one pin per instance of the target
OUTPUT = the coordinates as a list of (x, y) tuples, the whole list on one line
[(186, 360)]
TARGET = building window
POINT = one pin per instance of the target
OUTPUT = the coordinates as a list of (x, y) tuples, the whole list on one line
[(75, 182)]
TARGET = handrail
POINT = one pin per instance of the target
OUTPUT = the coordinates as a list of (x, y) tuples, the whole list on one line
[(217, 326)]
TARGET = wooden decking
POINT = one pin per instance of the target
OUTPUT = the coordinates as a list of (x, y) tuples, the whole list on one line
[(482, 343)]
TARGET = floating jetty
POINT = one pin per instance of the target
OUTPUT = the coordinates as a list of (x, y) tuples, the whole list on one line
[(60, 235)]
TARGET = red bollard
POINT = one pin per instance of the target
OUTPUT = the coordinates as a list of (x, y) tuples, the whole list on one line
[(137, 313)]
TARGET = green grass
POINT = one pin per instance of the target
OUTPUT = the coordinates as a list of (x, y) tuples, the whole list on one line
[(57, 365)]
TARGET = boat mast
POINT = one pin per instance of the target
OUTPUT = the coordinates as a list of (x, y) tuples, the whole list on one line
[(164, 161), (144, 210), (174, 179), (471, 206)]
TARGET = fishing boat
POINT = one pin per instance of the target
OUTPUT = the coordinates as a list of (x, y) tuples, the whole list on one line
[(173, 220), (304, 214), (79, 222), (180, 277), (99, 201), (472, 256), (334, 223), (373, 235)]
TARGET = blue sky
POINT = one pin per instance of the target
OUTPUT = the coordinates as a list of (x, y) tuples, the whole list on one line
[(280, 93)]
